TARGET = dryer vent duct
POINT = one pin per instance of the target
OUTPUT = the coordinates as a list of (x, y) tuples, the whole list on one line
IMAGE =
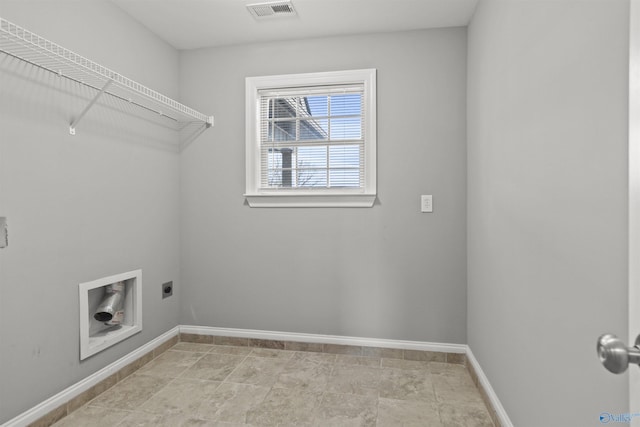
[(272, 9), (110, 310)]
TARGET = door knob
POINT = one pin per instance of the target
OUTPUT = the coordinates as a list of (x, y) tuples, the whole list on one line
[(615, 355)]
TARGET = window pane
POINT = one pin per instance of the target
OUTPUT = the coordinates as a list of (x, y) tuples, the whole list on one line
[(279, 167), (344, 105), (274, 159), (344, 156), (282, 107), (318, 105), (312, 157), (346, 128), (344, 177), (282, 131), (312, 177), (275, 178), (316, 130)]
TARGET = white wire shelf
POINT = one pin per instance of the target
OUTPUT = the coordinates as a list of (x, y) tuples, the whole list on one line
[(22, 44)]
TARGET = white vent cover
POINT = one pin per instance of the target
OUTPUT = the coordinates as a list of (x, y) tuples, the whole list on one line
[(272, 9)]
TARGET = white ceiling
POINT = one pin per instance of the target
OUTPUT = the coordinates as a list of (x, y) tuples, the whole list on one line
[(191, 24)]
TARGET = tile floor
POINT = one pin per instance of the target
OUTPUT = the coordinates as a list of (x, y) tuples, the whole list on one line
[(214, 385)]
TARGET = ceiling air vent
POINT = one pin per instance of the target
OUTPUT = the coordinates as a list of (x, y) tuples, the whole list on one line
[(272, 9)]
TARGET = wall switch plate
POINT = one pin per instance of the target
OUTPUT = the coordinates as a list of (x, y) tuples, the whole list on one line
[(426, 203), (167, 289)]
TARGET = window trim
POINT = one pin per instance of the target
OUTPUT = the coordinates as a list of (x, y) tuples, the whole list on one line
[(362, 197)]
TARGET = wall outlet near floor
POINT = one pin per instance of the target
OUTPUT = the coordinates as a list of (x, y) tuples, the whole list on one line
[(167, 289)]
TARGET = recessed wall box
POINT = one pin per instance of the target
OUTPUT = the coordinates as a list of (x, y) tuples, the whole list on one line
[(96, 334)]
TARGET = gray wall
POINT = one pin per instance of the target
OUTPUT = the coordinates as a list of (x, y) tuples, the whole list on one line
[(79, 207), (547, 205), (385, 272)]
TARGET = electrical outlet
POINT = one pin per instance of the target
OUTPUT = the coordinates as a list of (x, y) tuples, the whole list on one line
[(167, 289)]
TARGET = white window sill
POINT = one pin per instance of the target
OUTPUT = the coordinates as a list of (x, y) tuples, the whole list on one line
[(310, 200)]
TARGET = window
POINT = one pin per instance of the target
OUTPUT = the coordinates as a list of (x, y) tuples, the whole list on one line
[(311, 139)]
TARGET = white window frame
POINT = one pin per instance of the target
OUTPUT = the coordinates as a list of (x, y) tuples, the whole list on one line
[(316, 197)]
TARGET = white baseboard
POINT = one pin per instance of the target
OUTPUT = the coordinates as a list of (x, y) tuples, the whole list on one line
[(85, 384), (323, 339), (493, 397)]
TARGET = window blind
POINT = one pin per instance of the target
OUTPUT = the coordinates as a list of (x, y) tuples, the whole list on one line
[(312, 137)]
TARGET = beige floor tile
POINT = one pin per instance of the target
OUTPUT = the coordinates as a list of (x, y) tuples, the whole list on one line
[(165, 346), (451, 374), (234, 341), (130, 393), (458, 395), (213, 367), (405, 384), (268, 352), (93, 392), (449, 370), (182, 395), (404, 364), (464, 415), (427, 356), (315, 357), (342, 349), (407, 413), (304, 375), (204, 339), (346, 410), (303, 346), (51, 417), (170, 364), (353, 379), (227, 424), (262, 343), (231, 402), (257, 371), (144, 419), (192, 346), (230, 349), (455, 387), (457, 358), (92, 415), (285, 407), (134, 366), (393, 353), (346, 359)]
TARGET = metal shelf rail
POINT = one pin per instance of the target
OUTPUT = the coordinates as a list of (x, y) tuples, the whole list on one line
[(22, 44)]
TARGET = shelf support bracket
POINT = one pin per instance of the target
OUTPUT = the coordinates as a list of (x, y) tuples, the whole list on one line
[(72, 127)]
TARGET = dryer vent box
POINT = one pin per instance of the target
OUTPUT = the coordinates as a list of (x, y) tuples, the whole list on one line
[(96, 335)]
